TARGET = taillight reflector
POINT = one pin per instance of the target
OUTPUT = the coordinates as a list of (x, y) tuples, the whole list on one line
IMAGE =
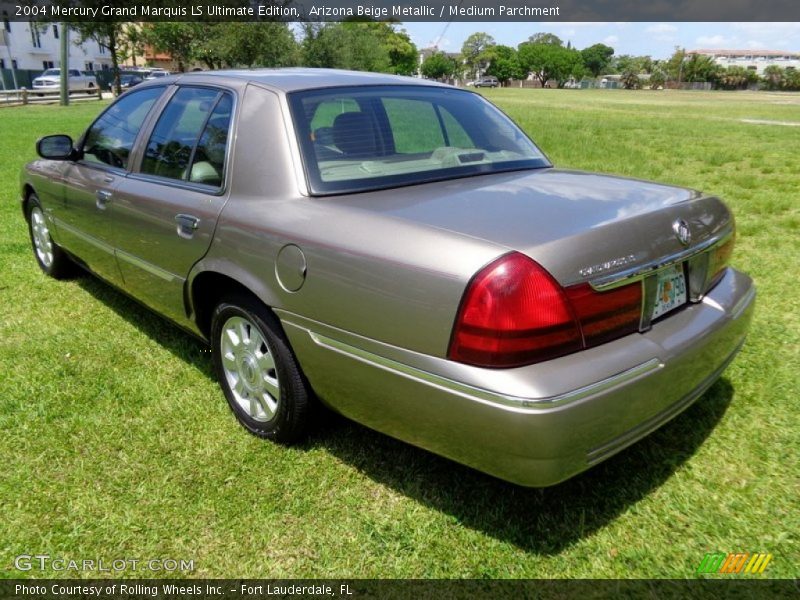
[(605, 316), (718, 261)]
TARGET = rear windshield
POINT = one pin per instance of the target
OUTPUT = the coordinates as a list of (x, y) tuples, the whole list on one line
[(365, 138)]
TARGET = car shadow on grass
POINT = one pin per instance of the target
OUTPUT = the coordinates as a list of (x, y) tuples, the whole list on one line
[(180, 343), (543, 521)]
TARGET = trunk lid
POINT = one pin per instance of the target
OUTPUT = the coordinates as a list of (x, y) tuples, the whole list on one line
[(579, 226)]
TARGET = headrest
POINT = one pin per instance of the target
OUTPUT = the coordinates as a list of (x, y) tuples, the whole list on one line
[(354, 134)]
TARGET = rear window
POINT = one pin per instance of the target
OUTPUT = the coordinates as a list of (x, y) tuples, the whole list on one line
[(364, 138)]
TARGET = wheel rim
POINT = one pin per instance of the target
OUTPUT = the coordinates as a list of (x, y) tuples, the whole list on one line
[(249, 368), (41, 237)]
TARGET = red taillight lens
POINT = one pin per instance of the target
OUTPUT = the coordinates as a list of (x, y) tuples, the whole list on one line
[(513, 313), (605, 316)]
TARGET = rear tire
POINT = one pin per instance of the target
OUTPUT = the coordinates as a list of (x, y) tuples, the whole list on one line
[(52, 260), (258, 372)]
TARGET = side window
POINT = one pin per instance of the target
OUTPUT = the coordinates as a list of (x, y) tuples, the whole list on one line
[(172, 144), (325, 114), (455, 132), (208, 164), (110, 138)]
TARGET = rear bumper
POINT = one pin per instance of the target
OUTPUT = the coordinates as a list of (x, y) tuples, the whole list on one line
[(536, 425)]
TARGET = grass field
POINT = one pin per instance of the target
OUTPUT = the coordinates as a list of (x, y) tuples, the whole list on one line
[(117, 443)]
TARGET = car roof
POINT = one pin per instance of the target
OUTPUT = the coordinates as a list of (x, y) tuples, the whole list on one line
[(296, 79)]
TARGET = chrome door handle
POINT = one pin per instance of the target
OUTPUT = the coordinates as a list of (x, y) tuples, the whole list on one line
[(187, 225), (103, 197)]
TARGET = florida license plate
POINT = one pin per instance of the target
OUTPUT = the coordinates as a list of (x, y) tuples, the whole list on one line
[(671, 291)]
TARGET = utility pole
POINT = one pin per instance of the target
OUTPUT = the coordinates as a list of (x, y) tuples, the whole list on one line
[(5, 42), (64, 64)]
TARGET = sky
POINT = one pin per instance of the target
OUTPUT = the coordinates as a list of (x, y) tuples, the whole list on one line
[(657, 40)]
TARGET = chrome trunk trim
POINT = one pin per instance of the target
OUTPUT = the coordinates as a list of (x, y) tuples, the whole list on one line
[(640, 271)]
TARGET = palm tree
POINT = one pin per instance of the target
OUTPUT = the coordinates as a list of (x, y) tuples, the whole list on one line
[(630, 80)]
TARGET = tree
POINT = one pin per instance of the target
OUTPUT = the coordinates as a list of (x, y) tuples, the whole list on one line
[(439, 66), (658, 78), (348, 45), (736, 78), (174, 38), (627, 62), (700, 68), (132, 42), (504, 64), (402, 52), (596, 58), (773, 75), (674, 65), (790, 80), (545, 38), (475, 51), (548, 61), (248, 44), (105, 33), (630, 80)]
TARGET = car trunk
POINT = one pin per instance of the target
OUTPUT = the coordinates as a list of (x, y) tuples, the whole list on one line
[(579, 226)]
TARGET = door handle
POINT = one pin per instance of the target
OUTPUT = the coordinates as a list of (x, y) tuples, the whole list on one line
[(108, 179), (103, 197), (187, 225)]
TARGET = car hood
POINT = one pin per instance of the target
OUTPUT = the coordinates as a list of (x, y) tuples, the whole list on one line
[(47, 80), (569, 221)]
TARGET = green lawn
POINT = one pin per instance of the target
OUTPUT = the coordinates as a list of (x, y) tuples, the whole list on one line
[(117, 443)]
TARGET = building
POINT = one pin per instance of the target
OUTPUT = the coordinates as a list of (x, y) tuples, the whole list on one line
[(753, 60), (161, 60), (35, 47)]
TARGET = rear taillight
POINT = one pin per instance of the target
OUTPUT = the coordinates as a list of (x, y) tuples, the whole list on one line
[(514, 313)]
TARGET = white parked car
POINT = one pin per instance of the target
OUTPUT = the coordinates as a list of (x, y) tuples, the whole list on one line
[(78, 81), (157, 73)]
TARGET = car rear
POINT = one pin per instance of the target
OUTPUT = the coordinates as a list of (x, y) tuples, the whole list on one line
[(539, 423), (572, 342), (602, 306)]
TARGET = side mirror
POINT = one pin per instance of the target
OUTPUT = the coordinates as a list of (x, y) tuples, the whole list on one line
[(55, 147)]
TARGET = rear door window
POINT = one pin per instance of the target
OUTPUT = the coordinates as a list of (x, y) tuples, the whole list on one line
[(208, 165), (189, 140)]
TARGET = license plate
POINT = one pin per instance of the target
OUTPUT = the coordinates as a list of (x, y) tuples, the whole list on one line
[(671, 291)]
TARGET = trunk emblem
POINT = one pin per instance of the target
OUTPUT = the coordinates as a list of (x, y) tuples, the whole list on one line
[(682, 232), (609, 264)]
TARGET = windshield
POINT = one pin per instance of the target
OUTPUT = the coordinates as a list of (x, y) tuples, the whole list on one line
[(51, 72), (364, 138)]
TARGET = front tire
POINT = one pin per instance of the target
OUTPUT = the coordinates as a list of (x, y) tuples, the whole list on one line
[(258, 372), (52, 260)]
